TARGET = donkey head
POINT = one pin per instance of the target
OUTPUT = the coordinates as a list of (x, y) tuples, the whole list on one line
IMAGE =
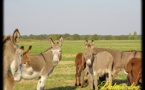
[(26, 65), (56, 50), (26, 57), (19, 52), (15, 65), (88, 53)]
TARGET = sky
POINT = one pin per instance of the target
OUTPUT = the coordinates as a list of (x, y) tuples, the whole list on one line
[(84, 17)]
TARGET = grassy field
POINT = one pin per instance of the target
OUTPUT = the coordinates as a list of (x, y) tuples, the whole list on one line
[(63, 76)]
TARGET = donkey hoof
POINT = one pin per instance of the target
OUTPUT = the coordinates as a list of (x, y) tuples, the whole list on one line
[(79, 84), (82, 86)]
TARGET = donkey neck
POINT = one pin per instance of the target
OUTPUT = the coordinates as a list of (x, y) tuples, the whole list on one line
[(47, 55), (9, 46)]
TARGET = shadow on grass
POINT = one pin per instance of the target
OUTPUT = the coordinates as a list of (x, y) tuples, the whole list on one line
[(68, 87), (119, 81), (63, 88)]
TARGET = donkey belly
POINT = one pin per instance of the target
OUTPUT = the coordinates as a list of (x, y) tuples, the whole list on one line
[(30, 76)]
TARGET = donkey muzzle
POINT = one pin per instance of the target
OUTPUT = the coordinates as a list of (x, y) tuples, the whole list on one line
[(55, 62), (88, 62)]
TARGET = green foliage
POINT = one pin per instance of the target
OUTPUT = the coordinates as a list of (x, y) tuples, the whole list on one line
[(84, 37), (135, 35)]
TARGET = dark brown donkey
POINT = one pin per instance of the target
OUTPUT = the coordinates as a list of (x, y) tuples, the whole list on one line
[(42, 65), (78, 62), (134, 70)]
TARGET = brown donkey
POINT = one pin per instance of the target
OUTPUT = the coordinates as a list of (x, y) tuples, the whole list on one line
[(80, 78), (78, 62), (9, 49), (41, 65), (11, 76), (134, 70)]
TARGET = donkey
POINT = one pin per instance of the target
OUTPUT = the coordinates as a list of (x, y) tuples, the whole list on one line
[(98, 64), (9, 79), (78, 62), (80, 79), (41, 65), (120, 58), (9, 49), (134, 70)]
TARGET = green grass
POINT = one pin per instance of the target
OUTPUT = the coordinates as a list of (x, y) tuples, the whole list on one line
[(63, 76), (71, 48)]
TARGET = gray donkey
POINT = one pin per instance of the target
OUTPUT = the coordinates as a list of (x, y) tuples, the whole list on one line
[(98, 64)]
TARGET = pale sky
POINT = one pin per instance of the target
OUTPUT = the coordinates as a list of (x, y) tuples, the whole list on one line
[(102, 17)]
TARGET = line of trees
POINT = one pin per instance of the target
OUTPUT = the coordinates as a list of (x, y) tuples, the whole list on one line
[(67, 36)]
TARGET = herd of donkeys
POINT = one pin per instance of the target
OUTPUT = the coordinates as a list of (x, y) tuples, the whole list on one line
[(94, 63)]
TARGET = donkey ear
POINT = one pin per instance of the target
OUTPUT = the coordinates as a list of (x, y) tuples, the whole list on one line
[(29, 49), (22, 47), (60, 40), (16, 36), (92, 44), (51, 41), (86, 43)]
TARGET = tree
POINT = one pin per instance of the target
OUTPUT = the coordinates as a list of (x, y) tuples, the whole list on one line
[(135, 36), (66, 36), (95, 37), (76, 37), (86, 37), (129, 36)]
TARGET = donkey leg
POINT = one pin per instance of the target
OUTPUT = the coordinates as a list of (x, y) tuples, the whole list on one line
[(76, 79), (38, 85), (110, 78), (95, 81), (76, 76), (43, 79), (82, 78), (90, 81), (114, 74)]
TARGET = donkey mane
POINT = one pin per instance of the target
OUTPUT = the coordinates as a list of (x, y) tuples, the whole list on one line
[(24, 53), (132, 51), (47, 49), (6, 38)]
